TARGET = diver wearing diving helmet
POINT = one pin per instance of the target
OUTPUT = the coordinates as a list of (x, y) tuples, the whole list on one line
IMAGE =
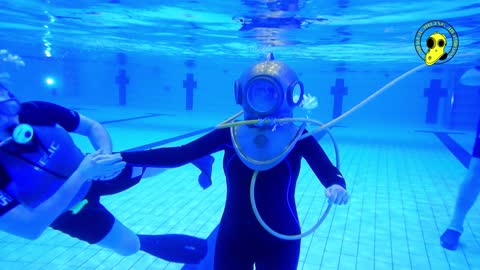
[(268, 148)]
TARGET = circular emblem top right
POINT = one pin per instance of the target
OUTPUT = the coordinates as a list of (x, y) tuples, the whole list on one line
[(436, 42)]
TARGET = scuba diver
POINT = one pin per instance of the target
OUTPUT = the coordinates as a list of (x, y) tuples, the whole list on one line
[(268, 151), (46, 181), (470, 187)]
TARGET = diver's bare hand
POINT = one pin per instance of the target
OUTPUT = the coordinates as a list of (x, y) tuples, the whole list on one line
[(98, 166), (109, 177), (336, 194), (112, 165)]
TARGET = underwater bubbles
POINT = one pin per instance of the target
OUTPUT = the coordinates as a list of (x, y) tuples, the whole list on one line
[(5, 56)]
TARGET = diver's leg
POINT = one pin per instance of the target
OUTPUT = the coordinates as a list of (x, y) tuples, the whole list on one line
[(232, 252), (94, 224), (170, 247), (90, 222), (175, 247), (129, 177), (121, 240), (282, 256), (467, 195)]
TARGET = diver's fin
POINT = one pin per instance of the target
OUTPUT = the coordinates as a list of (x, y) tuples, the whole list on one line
[(174, 247), (444, 56)]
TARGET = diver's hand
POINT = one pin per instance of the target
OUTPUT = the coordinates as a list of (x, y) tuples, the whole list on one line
[(111, 165), (104, 151), (109, 177), (98, 166), (336, 194)]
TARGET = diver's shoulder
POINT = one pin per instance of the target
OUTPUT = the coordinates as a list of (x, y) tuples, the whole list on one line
[(33, 105)]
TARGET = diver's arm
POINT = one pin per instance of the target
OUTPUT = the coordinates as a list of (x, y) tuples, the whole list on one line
[(170, 157), (325, 171), (328, 174), (96, 133), (31, 223), (46, 113)]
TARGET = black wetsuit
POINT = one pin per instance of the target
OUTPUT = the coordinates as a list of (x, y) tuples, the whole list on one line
[(476, 147), (241, 240)]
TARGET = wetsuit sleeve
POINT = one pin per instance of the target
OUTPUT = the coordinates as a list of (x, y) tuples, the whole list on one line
[(170, 157), (319, 162), (48, 114)]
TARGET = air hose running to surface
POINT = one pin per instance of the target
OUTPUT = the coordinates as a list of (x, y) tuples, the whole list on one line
[(228, 123)]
